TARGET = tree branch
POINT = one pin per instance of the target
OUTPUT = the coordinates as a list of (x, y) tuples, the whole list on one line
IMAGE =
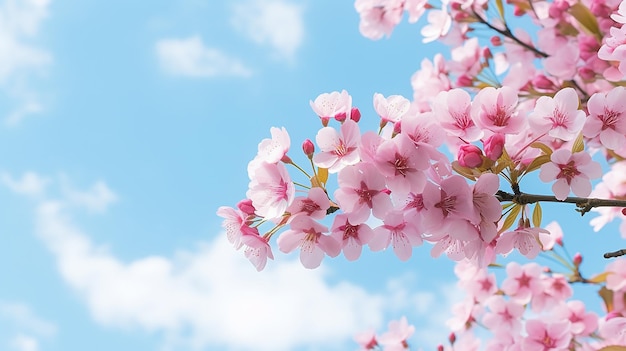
[(583, 204)]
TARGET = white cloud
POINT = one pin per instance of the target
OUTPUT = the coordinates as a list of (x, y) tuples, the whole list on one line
[(191, 58), (277, 23), (96, 199), (26, 327), (24, 343), (30, 184), (19, 23)]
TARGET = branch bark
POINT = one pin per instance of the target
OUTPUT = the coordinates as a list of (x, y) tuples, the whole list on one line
[(583, 204)]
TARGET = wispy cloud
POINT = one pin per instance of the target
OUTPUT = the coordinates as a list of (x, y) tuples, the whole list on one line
[(19, 24), (30, 183), (276, 23), (190, 57), (27, 328)]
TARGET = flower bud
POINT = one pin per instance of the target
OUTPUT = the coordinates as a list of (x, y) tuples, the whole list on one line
[(496, 40), (518, 11), (464, 81), (308, 148), (470, 156), (542, 82), (578, 259), (440, 348), (355, 114), (612, 314), (325, 121), (452, 338), (397, 128), (493, 146), (246, 207), (340, 117)]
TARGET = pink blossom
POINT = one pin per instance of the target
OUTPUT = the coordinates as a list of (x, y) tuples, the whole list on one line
[(545, 336), (449, 207), (338, 149), (378, 17), (431, 79), (486, 204), (403, 164), (607, 118), (466, 58), (556, 236), (398, 232), (271, 190), (522, 282), (362, 191), (495, 110), (571, 171), (274, 149), (614, 49), (366, 340), (613, 331), (392, 108), (395, 339), (415, 8), (439, 23), (583, 323), (452, 108), (503, 314), (423, 128), (308, 235), (525, 239), (482, 286), (563, 62), (257, 250), (470, 155), (328, 105), (556, 289), (350, 236), (313, 205), (494, 146), (616, 280), (235, 224), (559, 117)]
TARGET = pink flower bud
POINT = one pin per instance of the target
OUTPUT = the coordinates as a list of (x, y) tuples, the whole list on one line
[(246, 207), (542, 82), (340, 117), (397, 127), (496, 40), (440, 348), (493, 146), (487, 53), (325, 121), (355, 114), (624, 211), (578, 259), (518, 11), (586, 73), (464, 81), (308, 148), (452, 338), (470, 156)]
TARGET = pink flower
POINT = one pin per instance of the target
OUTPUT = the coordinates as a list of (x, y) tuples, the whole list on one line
[(235, 225), (395, 339), (556, 236), (495, 110), (392, 108), (338, 149), (481, 286), (564, 61), (378, 17), (493, 146), (403, 164), (328, 105), (423, 128), (362, 191), (449, 207), (545, 336), (366, 340), (503, 314), (350, 236), (272, 150), (431, 79), (439, 23), (571, 171), (415, 8), (583, 323), (470, 155), (607, 118), (616, 280), (271, 190), (452, 108), (559, 117), (525, 239), (398, 232), (257, 250), (522, 282), (314, 205), (614, 49), (308, 235)]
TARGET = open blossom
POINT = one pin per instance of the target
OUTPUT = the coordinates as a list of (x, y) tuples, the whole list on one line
[(439, 24), (403, 164), (395, 339), (329, 105), (397, 231), (559, 117), (494, 109), (308, 235), (453, 109), (547, 336), (428, 81), (313, 205), (503, 314), (522, 282), (338, 150), (235, 225), (392, 108), (525, 239), (257, 250), (607, 118), (272, 150), (351, 237), (378, 17), (271, 190), (362, 192), (614, 49), (571, 172), (449, 207)]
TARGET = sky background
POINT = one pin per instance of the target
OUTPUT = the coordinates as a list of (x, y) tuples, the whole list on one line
[(125, 125)]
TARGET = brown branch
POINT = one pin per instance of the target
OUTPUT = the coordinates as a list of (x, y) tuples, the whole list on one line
[(584, 204), (617, 253)]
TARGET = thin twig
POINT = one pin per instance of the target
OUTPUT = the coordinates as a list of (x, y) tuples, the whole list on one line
[(617, 253), (584, 204)]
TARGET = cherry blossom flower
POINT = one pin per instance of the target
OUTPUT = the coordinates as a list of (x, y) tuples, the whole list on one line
[(415, 8), (257, 250), (378, 17), (494, 146), (607, 118), (274, 149), (403, 165), (525, 239), (503, 314), (392, 108), (397, 231), (308, 235), (328, 105), (271, 190), (427, 82), (350, 236), (545, 336), (449, 208), (439, 23), (614, 49), (481, 286), (522, 282), (583, 323), (613, 186), (395, 339), (235, 224), (616, 280), (422, 128), (556, 236), (366, 340), (470, 155), (452, 108), (571, 172), (494, 109), (559, 117), (362, 191), (338, 149), (313, 205)]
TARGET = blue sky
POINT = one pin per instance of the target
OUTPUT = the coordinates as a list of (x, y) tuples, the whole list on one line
[(126, 125)]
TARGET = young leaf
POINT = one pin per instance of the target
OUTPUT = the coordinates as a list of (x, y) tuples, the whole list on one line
[(584, 16), (510, 218), (543, 147), (536, 163), (600, 278), (579, 144), (537, 215), (322, 175)]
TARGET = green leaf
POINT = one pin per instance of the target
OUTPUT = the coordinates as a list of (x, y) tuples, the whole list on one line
[(537, 215), (579, 144), (543, 147), (587, 20), (510, 218), (536, 163), (464, 171)]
